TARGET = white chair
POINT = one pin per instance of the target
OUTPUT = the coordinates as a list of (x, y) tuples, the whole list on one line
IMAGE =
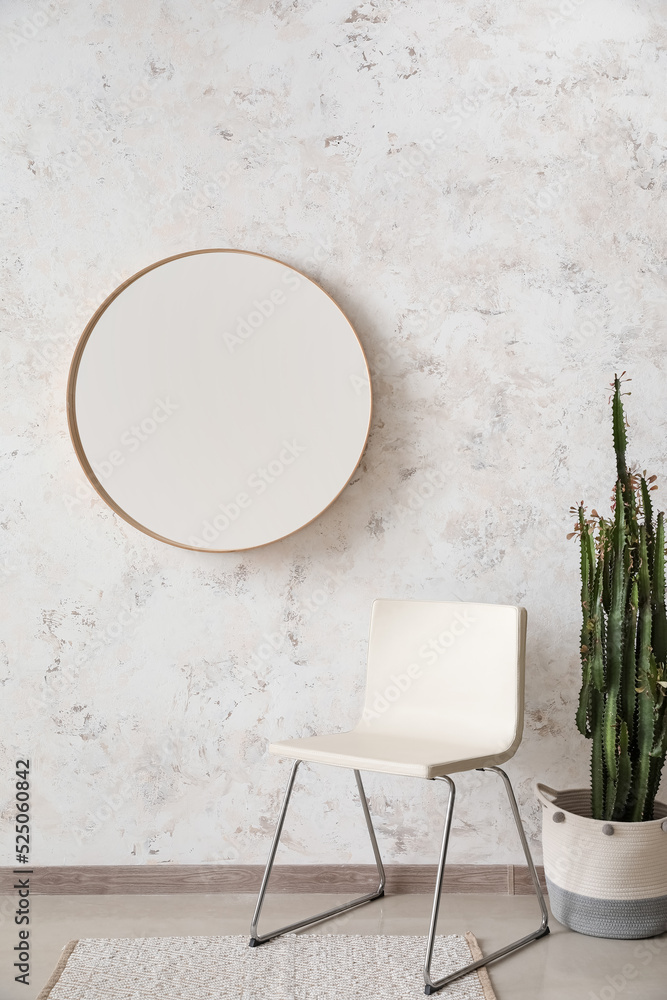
[(444, 693)]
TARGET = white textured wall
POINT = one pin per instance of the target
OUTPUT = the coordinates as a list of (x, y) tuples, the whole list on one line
[(480, 187)]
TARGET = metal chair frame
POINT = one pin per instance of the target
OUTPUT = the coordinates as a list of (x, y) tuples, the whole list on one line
[(431, 985)]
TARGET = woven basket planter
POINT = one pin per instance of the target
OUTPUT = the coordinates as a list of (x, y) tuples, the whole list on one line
[(604, 878)]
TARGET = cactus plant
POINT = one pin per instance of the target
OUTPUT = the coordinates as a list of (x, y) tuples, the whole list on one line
[(623, 700)]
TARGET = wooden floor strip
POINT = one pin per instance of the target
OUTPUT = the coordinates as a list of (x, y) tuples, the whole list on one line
[(168, 879)]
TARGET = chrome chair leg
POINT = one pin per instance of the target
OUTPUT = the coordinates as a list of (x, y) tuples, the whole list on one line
[(430, 941), (257, 939), (432, 986)]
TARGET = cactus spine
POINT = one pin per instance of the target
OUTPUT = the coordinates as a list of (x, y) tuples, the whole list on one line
[(623, 700)]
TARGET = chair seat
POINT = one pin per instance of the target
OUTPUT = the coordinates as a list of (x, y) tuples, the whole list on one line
[(392, 754)]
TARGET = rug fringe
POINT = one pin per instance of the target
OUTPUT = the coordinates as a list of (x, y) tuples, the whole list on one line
[(482, 974), (58, 971)]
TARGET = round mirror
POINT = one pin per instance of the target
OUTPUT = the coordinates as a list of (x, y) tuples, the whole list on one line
[(219, 400)]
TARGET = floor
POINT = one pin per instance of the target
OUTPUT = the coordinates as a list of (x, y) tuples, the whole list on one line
[(562, 966)]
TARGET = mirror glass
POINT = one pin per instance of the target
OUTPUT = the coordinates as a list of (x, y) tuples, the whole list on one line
[(219, 400)]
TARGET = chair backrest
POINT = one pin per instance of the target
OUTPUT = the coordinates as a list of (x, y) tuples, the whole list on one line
[(447, 671)]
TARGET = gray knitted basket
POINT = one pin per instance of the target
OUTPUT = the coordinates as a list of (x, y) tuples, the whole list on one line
[(604, 879)]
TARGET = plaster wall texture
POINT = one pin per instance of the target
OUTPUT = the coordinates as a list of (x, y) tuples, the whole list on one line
[(481, 188)]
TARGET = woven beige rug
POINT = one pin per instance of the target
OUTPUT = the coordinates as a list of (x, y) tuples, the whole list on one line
[(295, 967)]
